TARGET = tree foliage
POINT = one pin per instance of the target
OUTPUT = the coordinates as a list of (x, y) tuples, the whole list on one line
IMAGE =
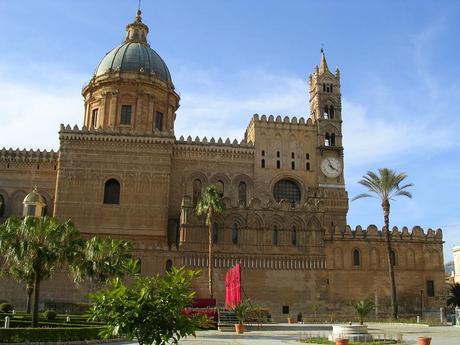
[(386, 185), (363, 308), (453, 298), (102, 259), (150, 310), (209, 205), (38, 246)]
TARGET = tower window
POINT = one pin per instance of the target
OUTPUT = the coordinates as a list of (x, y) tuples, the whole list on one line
[(356, 258), (196, 190), (324, 87), (278, 164), (125, 118), (277, 153), (215, 233), (94, 118), (275, 236), (292, 155), (332, 87), (307, 156), (332, 139), (263, 153), (159, 121), (308, 166), (326, 112), (242, 190), (294, 236), (327, 140), (112, 192), (293, 165), (430, 288), (262, 163), (331, 112), (235, 233)]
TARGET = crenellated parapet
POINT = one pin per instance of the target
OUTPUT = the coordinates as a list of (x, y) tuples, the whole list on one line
[(28, 156), (277, 120), (114, 135), (373, 233)]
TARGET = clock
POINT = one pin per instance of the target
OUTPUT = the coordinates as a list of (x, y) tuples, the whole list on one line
[(331, 167)]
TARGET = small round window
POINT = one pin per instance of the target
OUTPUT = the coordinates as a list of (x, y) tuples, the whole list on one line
[(287, 190)]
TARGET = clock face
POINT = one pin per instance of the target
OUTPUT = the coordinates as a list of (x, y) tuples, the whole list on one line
[(331, 167)]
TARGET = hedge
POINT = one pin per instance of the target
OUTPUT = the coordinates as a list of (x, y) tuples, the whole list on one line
[(22, 335)]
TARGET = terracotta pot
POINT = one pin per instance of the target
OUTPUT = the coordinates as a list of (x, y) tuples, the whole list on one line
[(290, 320), (239, 328), (341, 341), (424, 341)]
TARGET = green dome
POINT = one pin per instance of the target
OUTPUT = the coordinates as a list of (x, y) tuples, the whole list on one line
[(34, 198), (135, 55)]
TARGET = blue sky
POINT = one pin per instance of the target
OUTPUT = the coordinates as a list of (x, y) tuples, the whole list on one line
[(231, 59)]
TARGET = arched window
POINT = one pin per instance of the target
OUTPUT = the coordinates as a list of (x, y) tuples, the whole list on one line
[(262, 163), (308, 166), (393, 258), (275, 236), (286, 190), (159, 120), (215, 233), (169, 265), (112, 192), (278, 154), (356, 258), (331, 112), (326, 112), (235, 233), (220, 188), (293, 165), (242, 190), (263, 153), (292, 155), (278, 164), (327, 140), (2, 205), (332, 139), (196, 190), (294, 236)]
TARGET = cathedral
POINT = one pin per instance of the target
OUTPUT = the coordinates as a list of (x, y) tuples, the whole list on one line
[(123, 173)]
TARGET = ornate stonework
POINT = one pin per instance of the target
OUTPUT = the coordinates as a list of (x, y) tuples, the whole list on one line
[(282, 183)]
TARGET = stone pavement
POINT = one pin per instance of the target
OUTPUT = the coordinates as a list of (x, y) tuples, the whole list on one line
[(443, 335)]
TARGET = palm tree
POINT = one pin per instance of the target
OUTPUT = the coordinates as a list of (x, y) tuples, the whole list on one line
[(385, 186), (38, 246), (363, 308), (453, 299), (102, 259), (210, 204)]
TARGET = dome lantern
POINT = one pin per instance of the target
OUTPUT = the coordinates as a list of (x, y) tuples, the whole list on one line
[(34, 204), (137, 31)]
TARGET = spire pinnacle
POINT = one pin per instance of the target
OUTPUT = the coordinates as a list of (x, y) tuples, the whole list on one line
[(323, 64)]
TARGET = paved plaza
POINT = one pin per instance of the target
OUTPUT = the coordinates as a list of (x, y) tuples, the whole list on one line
[(444, 335)]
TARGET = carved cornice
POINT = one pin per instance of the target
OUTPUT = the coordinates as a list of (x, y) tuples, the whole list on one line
[(28, 156)]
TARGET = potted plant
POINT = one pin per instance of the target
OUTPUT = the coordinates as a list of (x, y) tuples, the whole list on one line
[(422, 340), (341, 341), (241, 311)]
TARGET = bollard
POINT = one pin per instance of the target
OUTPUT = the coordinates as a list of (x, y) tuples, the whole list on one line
[(441, 315), (418, 318), (7, 322)]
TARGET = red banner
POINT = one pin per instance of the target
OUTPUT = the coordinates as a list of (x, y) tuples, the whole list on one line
[(233, 287)]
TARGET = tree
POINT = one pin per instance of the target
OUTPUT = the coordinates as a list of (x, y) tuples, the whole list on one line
[(210, 204), (151, 309), (37, 247), (102, 259), (453, 298), (386, 185), (363, 308)]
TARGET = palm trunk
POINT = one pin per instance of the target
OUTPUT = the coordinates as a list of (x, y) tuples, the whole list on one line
[(29, 291), (36, 299), (210, 260), (391, 272)]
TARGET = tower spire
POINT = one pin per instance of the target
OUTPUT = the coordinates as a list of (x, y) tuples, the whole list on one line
[(323, 64)]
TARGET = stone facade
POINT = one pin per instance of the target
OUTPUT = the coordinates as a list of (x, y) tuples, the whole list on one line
[(283, 186)]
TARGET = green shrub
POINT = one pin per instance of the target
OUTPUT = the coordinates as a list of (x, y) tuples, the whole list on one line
[(50, 315), (23, 335), (6, 308)]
